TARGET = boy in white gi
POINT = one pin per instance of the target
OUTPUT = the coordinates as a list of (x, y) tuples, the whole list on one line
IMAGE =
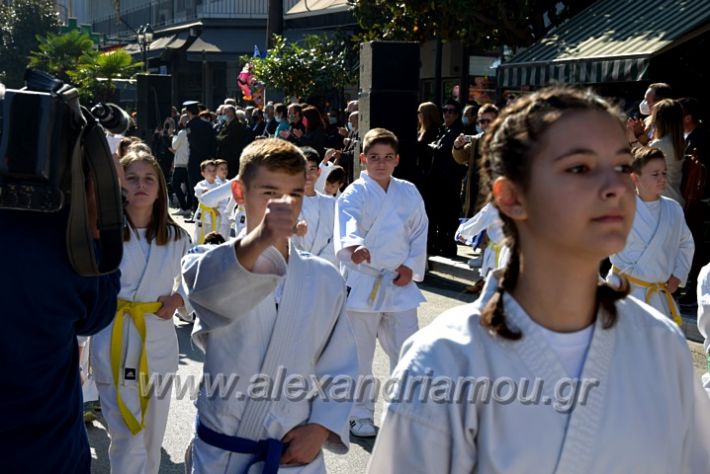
[(221, 170), (206, 218), (266, 309), (487, 219), (318, 213), (659, 249), (381, 233)]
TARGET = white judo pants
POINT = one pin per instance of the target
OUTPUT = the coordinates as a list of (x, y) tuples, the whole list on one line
[(140, 453), (391, 329)]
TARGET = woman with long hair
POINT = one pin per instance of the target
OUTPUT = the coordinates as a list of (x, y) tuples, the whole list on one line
[(429, 122), (667, 117), (140, 345), (551, 369)]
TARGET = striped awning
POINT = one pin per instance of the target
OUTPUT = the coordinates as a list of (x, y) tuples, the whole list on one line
[(610, 41)]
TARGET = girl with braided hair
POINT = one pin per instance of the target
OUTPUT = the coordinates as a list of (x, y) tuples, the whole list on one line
[(550, 370)]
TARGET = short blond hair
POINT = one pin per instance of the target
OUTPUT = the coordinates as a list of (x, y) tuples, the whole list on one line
[(272, 153)]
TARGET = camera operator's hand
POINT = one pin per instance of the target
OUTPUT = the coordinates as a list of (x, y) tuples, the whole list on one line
[(170, 304)]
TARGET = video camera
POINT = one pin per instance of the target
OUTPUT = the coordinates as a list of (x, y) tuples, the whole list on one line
[(49, 146)]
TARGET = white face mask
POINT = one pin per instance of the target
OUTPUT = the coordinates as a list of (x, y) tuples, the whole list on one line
[(644, 108), (349, 126)]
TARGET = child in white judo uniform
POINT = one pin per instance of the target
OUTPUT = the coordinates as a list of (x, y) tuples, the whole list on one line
[(704, 316), (659, 250), (265, 309), (381, 232), (207, 219), (579, 378), (318, 213), (221, 171), (487, 219), (141, 344)]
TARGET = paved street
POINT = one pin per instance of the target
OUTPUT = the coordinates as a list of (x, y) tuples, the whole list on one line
[(441, 294)]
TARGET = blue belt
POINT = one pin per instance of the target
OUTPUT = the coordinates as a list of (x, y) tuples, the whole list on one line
[(267, 450)]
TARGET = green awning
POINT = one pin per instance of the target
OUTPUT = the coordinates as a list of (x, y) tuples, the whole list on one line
[(610, 41)]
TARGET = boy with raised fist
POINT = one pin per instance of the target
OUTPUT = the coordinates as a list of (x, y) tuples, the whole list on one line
[(266, 311)]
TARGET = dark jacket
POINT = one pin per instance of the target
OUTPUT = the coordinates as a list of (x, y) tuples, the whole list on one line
[(231, 140), (203, 143), (45, 306)]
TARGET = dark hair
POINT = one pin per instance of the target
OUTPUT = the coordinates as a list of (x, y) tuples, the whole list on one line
[(508, 149), (214, 238), (272, 153), (643, 155), (691, 106), (662, 90), (207, 163), (337, 175), (311, 154), (378, 136), (313, 118), (454, 104), (280, 109)]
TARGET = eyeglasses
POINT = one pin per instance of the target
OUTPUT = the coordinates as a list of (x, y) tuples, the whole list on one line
[(378, 158), (449, 110)]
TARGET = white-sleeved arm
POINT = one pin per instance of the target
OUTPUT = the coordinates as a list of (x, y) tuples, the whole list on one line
[(179, 141), (325, 169), (346, 232), (685, 254), (220, 289), (215, 196), (703, 291), (419, 226), (178, 287), (478, 223)]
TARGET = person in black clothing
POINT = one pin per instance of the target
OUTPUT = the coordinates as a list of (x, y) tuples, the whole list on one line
[(314, 130), (46, 305), (203, 144), (232, 139), (443, 199), (295, 122), (429, 119), (271, 122), (258, 123), (161, 147), (696, 140)]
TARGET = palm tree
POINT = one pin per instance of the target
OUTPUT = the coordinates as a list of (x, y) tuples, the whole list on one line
[(96, 78), (58, 54)]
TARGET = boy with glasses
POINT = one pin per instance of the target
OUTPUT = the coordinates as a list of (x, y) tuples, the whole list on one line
[(381, 235)]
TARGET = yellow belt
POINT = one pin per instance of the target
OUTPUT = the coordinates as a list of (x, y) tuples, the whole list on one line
[(497, 249), (137, 313), (213, 221), (652, 289)]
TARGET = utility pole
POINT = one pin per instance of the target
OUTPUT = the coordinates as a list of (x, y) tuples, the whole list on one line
[(274, 22)]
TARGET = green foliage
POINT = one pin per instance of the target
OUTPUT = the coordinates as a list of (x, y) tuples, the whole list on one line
[(61, 54), (482, 24), (95, 78), (314, 65), (20, 23)]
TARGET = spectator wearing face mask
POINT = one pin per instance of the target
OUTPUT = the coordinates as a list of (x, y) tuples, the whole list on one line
[(232, 139), (281, 118), (643, 128)]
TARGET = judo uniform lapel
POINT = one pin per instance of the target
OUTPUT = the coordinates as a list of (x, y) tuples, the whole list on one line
[(290, 313), (583, 422)]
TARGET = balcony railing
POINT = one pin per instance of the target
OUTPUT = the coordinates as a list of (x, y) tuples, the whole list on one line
[(170, 12)]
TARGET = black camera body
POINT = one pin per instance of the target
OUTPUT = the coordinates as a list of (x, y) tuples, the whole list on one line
[(50, 147), (37, 132)]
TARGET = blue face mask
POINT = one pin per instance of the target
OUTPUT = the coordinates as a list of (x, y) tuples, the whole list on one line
[(466, 121), (478, 129), (332, 120)]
